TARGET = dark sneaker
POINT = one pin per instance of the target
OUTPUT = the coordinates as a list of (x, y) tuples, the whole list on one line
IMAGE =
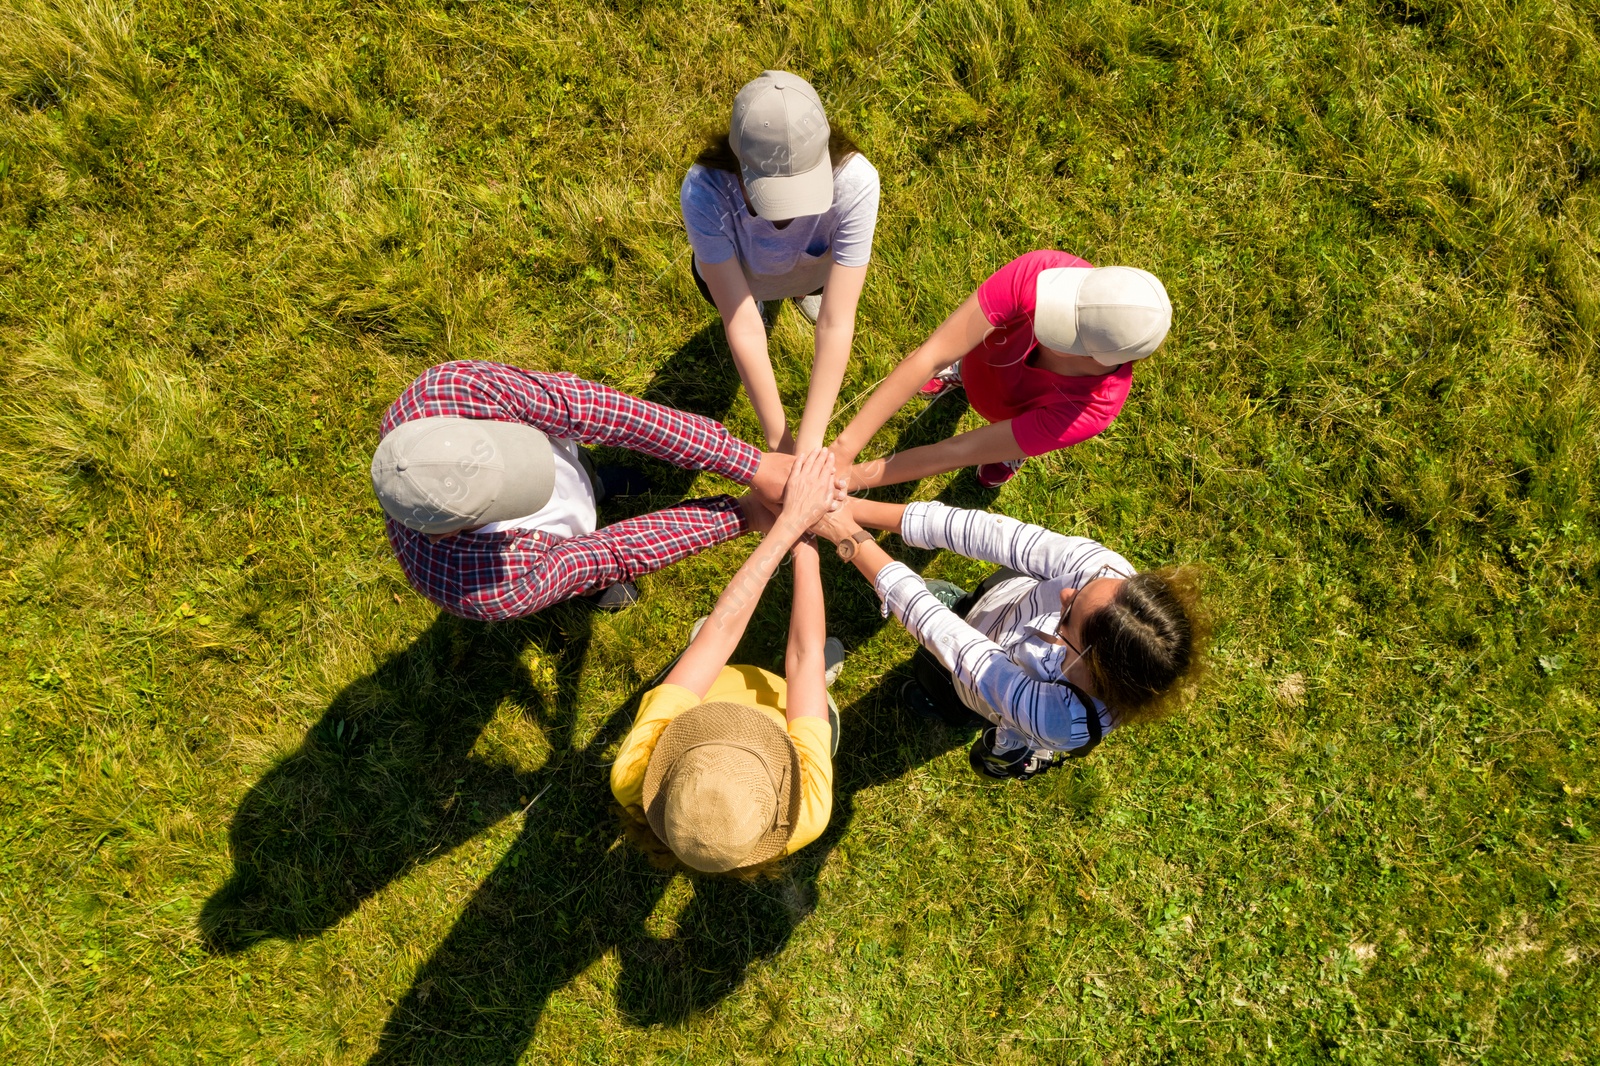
[(832, 660), (915, 698), (1019, 765), (616, 597), (946, 592), (622, 481), (993, 475), (919, 703)]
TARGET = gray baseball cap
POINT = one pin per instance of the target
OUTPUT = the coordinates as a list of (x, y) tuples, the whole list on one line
[(1113, 314), (440, 475), (780, 135)]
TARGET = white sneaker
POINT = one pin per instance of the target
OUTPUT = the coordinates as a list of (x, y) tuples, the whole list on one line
[(948, 378), (810, 306)]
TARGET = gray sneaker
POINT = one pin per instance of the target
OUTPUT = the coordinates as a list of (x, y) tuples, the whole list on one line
[(768, 310), (832, 660), (810, 306)]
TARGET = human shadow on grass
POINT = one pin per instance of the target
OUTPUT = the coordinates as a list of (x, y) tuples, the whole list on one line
[(698, 378), (570, 890), (386, 779)]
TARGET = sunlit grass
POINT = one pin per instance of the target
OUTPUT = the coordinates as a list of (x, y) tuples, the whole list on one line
[(263, 804)]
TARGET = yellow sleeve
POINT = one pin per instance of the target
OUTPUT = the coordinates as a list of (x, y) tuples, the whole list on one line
[(813, 740), (658, 707)]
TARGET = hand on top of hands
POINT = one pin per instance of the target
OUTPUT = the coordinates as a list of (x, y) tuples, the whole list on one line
[(812, 490), (771, 476), (837, 525)]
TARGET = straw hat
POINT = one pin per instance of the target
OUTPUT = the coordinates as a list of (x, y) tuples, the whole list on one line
[(723, 787)]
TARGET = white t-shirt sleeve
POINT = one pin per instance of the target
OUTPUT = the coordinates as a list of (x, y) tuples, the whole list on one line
[(855, 199), (706, 216)]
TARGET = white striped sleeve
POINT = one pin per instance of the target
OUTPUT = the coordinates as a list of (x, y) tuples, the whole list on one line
[(1049, 715), (996, 538)]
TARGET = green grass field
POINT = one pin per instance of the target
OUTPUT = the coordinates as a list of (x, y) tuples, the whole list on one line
[(262, 803)]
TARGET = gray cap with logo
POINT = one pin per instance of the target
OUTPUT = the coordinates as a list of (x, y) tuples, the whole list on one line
[(780, 135), (439, 475)]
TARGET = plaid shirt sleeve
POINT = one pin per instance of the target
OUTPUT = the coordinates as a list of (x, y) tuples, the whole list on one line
[(565, 405), (497, 576)]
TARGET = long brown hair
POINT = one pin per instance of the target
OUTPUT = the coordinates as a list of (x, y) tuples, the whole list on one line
[(1146, 649), (637, 829), (717, 152)]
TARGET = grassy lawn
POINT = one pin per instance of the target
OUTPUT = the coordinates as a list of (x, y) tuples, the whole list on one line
[(262, 803)]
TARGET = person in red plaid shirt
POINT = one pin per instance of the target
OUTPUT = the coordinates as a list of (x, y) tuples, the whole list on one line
[(491, 510)]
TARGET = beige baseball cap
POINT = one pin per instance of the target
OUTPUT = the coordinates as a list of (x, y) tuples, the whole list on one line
[(440, 475), (1112, 314), (780, 135)]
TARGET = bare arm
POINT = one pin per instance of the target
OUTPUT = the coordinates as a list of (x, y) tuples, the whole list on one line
[(811, 491), (956, 336), (808, 630), (840, 525), (836, 328), (987, 444), (747, 338), (875, 515)]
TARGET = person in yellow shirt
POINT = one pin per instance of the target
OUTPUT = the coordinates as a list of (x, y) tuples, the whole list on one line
[(729, 768)]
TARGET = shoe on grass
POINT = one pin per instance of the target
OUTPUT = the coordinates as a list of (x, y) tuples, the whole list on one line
[(615, 597), (946, 592), (919, 703), (993, 475), (618, 481), (1019, 764), (915, 698), (948, 378), (810, 306), (832, 660), (768, 310)]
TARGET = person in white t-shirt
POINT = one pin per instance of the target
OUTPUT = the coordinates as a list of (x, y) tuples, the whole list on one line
[(782, 206)]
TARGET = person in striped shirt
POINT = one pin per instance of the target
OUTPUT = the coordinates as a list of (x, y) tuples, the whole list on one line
[(1064, 643)]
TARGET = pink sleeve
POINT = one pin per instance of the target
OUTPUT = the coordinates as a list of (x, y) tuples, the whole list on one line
[(1008, 293)]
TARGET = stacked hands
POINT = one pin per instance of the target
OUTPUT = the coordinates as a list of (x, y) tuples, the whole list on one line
[(793, 495)]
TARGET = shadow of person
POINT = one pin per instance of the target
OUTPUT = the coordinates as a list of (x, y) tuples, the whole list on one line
[(386, 780), (699, 378), (571, 890)]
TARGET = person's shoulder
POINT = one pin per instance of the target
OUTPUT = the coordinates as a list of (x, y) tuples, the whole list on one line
[(857, 168), (704, 184), (1044, 259), (665, 701), (855, 178)]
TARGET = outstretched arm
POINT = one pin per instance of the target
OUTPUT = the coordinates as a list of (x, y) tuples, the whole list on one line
[(811, 491), (808, 631), (836, 329), (747, 339), (956, 336), (565, 405), (989, 444)]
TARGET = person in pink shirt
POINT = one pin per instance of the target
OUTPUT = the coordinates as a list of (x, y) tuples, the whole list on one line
[(1045, 349)]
